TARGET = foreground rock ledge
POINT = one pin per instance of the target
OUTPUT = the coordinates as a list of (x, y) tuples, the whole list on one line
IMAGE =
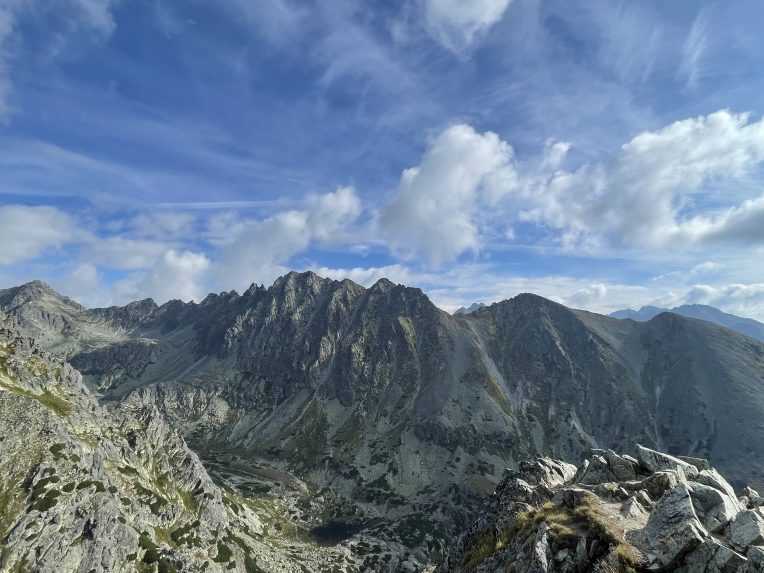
[(614, 513)]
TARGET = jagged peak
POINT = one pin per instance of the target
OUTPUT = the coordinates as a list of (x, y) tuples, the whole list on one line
[(253, 289), (143, 303), (295, 278), (383, 285)]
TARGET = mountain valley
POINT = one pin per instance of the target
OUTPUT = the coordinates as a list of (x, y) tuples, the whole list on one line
[(345, 428)]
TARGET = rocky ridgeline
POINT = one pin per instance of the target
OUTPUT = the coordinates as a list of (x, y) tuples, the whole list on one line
[(398, 414), (615, 513), (86, 488)]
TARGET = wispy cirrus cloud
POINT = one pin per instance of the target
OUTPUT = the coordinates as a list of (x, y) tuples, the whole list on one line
[(458, 25), (694, 49)]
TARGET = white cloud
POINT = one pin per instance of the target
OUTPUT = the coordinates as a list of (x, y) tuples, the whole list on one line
[(28, 232), (177, 275), (458, 23), (328, 214), (433, 214), (367, 276), (743, 224), (123, 252), (694, 49), (159, 225), (644, 195), (258, 249)]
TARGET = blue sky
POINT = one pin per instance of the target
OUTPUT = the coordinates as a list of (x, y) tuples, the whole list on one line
[(605, 154)]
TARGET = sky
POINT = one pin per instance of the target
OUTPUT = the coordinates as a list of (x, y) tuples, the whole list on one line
[(603, 154)]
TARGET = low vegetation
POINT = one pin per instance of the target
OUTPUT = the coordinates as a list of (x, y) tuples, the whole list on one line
[(566, 527)]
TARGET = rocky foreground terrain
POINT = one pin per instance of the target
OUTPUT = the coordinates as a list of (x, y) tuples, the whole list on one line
[(86, 488), (368, 426), (615, 513)]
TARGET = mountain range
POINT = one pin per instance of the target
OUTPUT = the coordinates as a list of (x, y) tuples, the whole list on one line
[(373, 424), (747, 326)]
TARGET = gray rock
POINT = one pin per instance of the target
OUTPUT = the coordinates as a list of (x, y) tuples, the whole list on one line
[(699, 463), (657, 461), (715, 508), (713, 556), (574, 527), (747, 529), (622, 468), (659, 483), (597, 471), (673, 529)]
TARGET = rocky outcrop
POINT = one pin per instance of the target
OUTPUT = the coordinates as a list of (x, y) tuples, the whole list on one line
[(692, 523), (86, 488)]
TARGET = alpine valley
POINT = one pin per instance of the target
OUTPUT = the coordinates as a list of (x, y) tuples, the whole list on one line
[(317, 425)]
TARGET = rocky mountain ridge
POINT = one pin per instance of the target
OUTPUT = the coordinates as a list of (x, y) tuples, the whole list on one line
[(405, 416), (614, 513)]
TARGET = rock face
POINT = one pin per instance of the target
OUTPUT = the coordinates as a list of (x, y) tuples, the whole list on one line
[(401, 416), (564, 525), (85, 488)]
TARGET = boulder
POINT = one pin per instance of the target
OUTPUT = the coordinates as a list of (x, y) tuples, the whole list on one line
[(714, 508), (712, 556), (747, 529), (657, 461), (659, 483), (621, 468), (714, 479), (597, 471), (673, 528)]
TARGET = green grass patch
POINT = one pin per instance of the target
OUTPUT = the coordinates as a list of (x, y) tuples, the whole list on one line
[(56, 404)]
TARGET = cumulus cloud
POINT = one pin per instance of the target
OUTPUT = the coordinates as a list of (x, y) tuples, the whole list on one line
[(367, 276), (743, 224), (456, 24), (434, 213), (28, 232), (123, 252), (644, 195), (177, 275), (259, 249)]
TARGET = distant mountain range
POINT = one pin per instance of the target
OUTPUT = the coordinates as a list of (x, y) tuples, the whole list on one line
[(747, 326)]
